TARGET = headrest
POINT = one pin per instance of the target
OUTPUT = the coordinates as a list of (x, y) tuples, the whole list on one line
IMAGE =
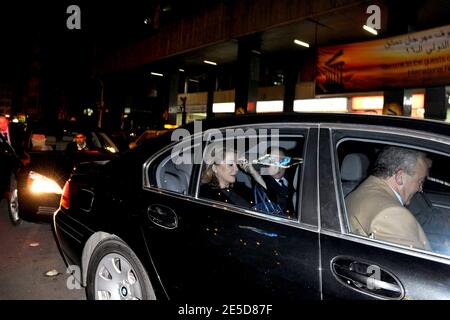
[(37, 141), (354, 167)]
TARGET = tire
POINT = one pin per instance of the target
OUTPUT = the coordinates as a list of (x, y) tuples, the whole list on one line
[(13, 201), (115, 273)]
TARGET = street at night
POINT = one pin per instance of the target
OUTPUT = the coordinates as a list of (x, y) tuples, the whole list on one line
[(211, 150), (28, 252)]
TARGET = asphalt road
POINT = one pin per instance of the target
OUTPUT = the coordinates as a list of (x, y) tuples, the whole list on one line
[(23, 267)]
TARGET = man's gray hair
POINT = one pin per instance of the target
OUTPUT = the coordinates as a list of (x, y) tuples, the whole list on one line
[(393, 159)]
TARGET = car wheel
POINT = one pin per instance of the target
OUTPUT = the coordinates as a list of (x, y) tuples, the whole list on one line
[(115, 273), (13, 201)]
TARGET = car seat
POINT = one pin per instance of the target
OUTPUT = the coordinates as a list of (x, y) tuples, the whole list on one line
[(173, 182), (174, 177), (353, 171)]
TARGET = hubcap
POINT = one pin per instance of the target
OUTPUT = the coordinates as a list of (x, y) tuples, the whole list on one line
[(14, 205), (115, 279)]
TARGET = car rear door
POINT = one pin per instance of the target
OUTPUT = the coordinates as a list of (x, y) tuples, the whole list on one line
[(357, 267), (169, 220), (258, 255)]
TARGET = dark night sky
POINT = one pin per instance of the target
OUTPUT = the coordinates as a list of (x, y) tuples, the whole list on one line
[(25, 25), (36, 30), (67, 55)]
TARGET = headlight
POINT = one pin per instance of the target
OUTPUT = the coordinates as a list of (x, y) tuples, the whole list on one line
[(41, 184), (111, 149)]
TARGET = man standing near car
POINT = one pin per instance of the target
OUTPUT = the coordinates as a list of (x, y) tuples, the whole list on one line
[(11, 142), (12, 139), (376, 208), (12, 154)]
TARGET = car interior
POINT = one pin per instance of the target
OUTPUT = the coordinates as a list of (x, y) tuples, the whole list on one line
[(293, 148), (173, 177), (353, 171), (176, 177), (430, 207), (39, 142)]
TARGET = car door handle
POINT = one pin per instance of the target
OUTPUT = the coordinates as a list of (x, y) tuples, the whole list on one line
[(366, 277), (162, 216)]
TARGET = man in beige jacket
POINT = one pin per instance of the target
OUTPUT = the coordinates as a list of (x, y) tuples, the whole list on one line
[(376, 208)]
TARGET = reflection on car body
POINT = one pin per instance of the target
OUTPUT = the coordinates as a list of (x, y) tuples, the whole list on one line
[(148, 218), (148, 134)]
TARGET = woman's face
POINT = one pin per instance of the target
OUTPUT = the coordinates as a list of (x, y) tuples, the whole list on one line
[(226, 171)]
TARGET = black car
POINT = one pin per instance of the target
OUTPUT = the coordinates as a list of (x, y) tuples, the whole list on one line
[(37, 186), (138, 227)]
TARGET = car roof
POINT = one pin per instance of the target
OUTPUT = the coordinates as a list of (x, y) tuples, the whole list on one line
[(426, 125)]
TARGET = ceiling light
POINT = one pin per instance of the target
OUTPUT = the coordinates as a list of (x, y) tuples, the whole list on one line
[(321, 105), (269, 106), (369, 29), (301, 43), (224, 107), (181, 70), (210, 62), (157, 74)]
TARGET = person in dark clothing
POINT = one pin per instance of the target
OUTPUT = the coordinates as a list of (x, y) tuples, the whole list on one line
[(276, 186), (78, 145), (219, 180), (12, 139), (12, 151)]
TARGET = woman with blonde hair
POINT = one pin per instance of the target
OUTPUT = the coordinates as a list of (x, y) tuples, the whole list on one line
[(218, 181)]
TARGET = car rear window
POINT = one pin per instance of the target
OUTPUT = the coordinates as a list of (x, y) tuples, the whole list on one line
[(48, 138)]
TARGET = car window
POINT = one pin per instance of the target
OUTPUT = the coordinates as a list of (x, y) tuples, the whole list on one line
[(254, 172), (148, 135), (172, 170), (106, 142), (49, 139), (373, 208)]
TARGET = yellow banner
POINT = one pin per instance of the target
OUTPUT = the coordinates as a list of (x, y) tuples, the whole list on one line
[(420, 59)]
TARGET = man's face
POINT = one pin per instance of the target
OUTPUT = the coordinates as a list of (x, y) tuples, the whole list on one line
[(413, 184), (80, 138), (3, 124), (276, 172)]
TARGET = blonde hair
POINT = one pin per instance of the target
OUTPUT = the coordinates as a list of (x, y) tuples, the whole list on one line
[(216, 155)]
